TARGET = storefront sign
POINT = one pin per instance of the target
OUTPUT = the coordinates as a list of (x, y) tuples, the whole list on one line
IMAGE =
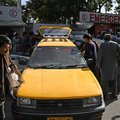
[(9, 13), (99, 18)]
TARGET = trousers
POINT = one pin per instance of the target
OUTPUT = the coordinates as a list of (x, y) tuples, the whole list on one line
[(6, 109), (109, 86), (2, 114)]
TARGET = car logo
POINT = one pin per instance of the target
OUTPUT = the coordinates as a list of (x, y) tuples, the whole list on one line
[(60, 105)]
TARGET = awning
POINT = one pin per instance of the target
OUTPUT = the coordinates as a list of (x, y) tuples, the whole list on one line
[(12, 24)]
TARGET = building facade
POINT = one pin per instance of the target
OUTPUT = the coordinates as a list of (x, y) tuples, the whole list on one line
[(102, 22), (11, 18)]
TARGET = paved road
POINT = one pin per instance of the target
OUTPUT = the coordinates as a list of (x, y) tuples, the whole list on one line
[(112, 111)]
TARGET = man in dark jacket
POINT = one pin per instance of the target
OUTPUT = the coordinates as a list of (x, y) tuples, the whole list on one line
[(90, 51)]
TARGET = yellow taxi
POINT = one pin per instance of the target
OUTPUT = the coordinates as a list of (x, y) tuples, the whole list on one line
[(58, 85)]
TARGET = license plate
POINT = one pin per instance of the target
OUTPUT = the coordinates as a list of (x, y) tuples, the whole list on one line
[(60, 118)]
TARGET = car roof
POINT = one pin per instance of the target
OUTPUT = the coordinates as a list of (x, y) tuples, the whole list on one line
[(55, 42)]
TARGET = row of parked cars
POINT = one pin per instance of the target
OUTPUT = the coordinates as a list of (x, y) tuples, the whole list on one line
[(57, 83)]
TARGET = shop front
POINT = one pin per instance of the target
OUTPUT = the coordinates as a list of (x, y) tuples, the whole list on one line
[(103, 23)]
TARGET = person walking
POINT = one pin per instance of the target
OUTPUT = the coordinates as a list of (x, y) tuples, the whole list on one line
[(116, 38), (90, 51), (107, 62), (16, 43), (5, 79)]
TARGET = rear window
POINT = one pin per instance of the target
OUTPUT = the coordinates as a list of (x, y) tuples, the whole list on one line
[(55, 32)]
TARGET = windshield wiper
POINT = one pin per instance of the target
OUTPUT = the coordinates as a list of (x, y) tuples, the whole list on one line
[(48, 66), (74, 66), (59, 66)]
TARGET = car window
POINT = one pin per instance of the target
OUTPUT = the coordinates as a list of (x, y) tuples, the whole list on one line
[(55, 32), (78, 32), (56, 56)]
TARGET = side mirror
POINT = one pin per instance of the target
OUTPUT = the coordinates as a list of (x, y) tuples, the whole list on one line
[(23, 61)]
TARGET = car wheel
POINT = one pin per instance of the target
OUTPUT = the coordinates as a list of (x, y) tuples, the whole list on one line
[(99, 118), (96, 119), (19, 118)]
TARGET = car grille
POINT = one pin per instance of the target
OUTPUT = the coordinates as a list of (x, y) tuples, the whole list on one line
[(42, 104)]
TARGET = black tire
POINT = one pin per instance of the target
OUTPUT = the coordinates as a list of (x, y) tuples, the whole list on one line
[(18, 118)]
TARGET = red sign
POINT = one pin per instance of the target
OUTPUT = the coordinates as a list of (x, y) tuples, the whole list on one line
[(99, 18), (104, 18)]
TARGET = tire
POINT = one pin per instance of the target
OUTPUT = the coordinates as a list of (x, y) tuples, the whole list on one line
[(18, 118)]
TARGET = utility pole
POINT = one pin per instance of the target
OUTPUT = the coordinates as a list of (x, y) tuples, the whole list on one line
[(19, 9)]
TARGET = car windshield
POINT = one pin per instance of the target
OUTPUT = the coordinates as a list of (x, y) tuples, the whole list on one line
[(78, 32), (55, 32), (56, 57)]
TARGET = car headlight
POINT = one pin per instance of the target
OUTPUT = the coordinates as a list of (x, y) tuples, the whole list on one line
[(26, 102), (92, 101)]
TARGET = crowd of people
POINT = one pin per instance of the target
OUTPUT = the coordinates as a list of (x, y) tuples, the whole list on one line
[(23, 44), (105, 63)]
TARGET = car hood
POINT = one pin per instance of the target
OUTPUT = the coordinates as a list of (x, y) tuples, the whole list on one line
[(58, 84)]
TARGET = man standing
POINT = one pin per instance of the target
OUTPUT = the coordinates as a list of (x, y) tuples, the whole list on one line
[(90, 51), (107, 62), (4, 49), (5, 81)]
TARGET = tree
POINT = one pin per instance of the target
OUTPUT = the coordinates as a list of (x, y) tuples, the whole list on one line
[(60, 10), (8, 2), (96, 5), (117, 8)]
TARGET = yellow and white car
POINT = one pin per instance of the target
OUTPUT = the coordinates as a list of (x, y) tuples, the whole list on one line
[(58, 85)]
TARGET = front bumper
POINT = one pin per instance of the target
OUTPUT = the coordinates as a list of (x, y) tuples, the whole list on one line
[(91, 113)]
